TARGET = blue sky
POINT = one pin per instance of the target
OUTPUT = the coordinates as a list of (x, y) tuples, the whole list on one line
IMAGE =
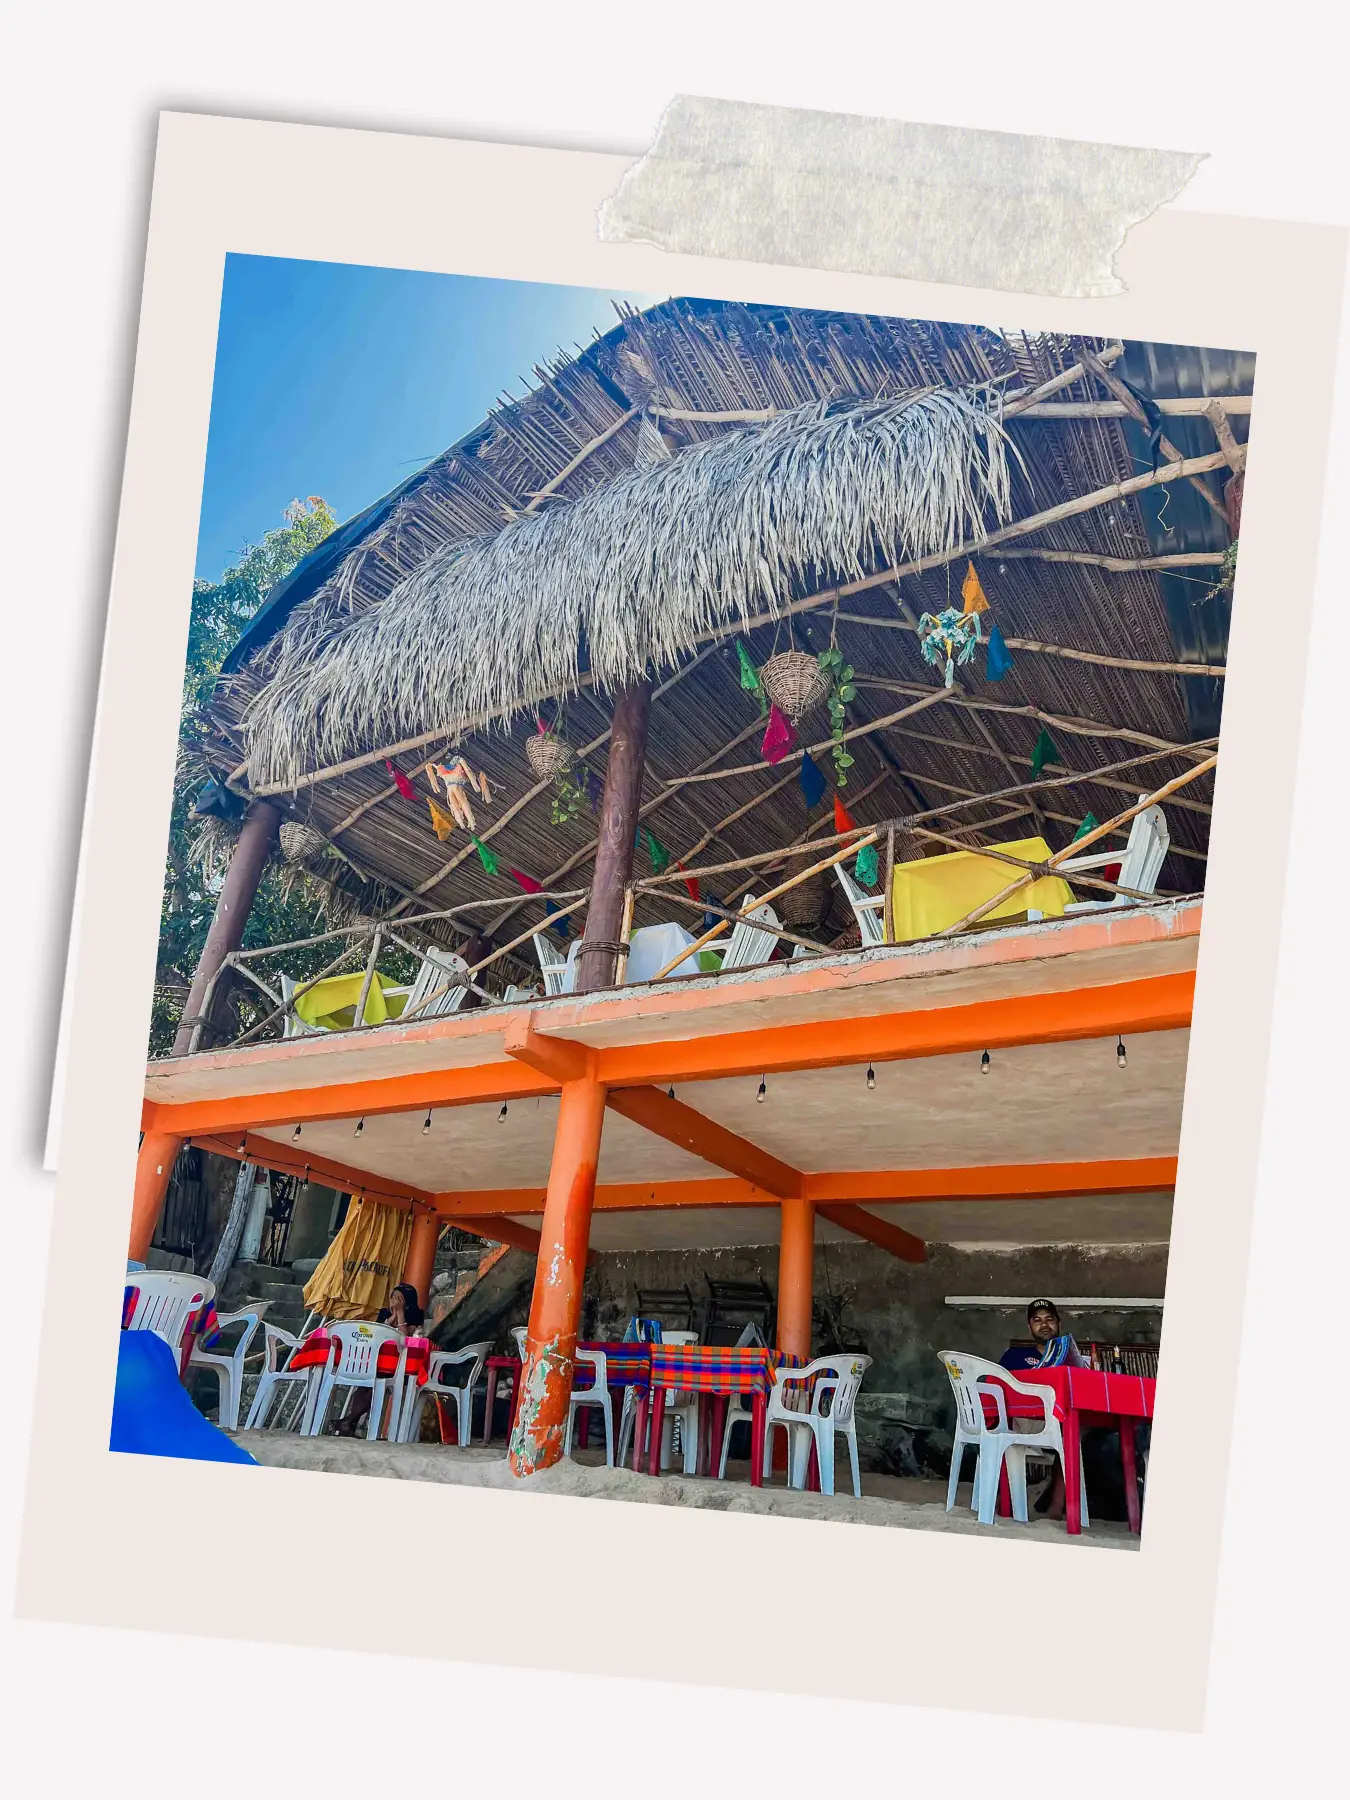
[(337, 380)]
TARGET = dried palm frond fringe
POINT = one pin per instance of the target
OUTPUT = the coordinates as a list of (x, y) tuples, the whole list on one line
[(632, 573)]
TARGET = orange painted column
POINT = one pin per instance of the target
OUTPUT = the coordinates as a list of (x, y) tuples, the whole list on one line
[(796, 1263), (154, 1165), (555, 1312), (420, 1261)]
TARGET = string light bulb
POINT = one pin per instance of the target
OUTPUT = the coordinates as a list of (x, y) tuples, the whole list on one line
[(295, 1135), (1120, 1052), (984, 1062), (243, 1143), (306, 1174), (426, 1123), (871, 1078), (762, 1091), (670, 1092), (502, 1114), (360, 1127)]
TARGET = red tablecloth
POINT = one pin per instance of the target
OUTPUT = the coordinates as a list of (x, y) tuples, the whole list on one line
[(313, 1354), (1083, 1397)]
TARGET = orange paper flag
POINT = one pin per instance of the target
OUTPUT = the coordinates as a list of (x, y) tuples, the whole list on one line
[(842, 822), (441, 821), (972, 593)]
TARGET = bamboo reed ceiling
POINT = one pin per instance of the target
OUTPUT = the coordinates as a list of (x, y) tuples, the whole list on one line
[(703, 357)]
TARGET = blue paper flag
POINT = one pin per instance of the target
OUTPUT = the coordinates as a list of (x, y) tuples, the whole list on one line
[(1000, 657), (813, 782)]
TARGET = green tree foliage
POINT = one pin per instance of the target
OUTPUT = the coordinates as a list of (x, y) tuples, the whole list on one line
[(286, 907)]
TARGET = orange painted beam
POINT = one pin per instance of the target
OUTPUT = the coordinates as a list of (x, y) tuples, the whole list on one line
[(871, 1187), (291, 1159), (996, 1181), (488, 1083), (1155, 1003), (700, 1136), (877, 1231), (559, 1059), (500, 1231)]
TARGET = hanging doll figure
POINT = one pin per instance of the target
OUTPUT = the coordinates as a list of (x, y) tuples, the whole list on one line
[(458, 780)]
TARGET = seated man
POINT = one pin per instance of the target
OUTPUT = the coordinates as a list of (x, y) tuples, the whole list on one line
[(1043, 1324)]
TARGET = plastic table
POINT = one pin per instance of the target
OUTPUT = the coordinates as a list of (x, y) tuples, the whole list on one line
[(1086, 1397)]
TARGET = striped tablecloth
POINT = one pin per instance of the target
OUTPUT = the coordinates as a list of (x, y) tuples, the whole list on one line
[(626, 1365), (713, 1369)]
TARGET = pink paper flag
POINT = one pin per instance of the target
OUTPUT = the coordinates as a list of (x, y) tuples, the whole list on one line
[(778, 739)]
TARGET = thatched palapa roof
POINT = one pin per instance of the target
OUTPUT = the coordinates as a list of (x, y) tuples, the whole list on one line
[(709, 469)]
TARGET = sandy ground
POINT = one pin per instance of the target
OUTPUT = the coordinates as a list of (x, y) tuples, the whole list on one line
[(886, 1499)]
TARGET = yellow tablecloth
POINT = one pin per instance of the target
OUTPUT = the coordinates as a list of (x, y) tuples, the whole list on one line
[(933, 894), (326, 1002)]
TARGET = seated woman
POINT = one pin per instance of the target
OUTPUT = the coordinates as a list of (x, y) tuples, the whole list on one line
[(405, 1314)]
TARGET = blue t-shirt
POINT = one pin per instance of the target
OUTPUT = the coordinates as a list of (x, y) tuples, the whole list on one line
[(1021, 1357)]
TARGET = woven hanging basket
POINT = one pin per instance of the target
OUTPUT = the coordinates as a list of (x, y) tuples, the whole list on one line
[(794, 682), (548, 755), (805, 904), (299, 842)]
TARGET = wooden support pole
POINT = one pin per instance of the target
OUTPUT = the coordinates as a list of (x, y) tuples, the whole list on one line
[(256, 838), (420, 1261), (154, 1165), (618, 824), (796, 1267), (555, 1311)]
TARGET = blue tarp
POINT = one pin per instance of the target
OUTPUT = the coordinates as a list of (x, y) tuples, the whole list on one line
[(153, 1414)]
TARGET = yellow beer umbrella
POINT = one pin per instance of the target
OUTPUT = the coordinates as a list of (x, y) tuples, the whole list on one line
[(363, 1263)]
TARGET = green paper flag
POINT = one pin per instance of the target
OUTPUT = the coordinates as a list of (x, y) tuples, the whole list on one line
[(1044, 752), (865, 869), (657, 851), (750, 678), (485, 856), (1090, 823)]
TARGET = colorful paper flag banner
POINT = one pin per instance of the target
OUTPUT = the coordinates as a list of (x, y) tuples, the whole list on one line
[(812, 782), (865, 869), (485, 856), (750, 680), (842, 819), (401, 782), (972, 593), (1090, 823), (778, 739), (528, 882), (441, 822), (999, 660), (1044, 752)]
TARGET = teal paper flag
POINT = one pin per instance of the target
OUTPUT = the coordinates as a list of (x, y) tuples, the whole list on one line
[(1044, 752), (1090, 823), (865, 869), (999, 660)]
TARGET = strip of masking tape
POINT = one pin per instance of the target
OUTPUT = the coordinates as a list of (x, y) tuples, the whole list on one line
[(986, 209)]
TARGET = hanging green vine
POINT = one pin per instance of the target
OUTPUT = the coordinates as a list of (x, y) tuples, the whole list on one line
[(569, 798), (841, 692)]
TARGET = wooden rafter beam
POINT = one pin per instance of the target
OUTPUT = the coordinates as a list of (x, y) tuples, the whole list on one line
[(703, 1137), (1135, 411)]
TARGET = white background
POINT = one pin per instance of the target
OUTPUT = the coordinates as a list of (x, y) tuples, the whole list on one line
[(1263, 93)]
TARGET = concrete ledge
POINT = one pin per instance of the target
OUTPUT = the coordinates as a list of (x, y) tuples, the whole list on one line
[(883, 1502)]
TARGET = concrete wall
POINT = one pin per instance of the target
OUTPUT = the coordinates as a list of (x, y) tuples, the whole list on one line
[(895, 1311)]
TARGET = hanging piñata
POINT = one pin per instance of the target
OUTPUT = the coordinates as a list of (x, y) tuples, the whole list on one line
[(951, 635), (458, 780)]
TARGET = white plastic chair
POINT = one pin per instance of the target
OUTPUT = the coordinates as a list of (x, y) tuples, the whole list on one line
[(596, 1395), (681, 1411), (974, 1380), (228, 1366), (352, 1364), (868, 909), (1140, 866), (277, 1381), (165, 1301), (436, 1386), (552, 966), (519, 1333), (748, 947), (292, 1025), (830, 1385), (440, 969)]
